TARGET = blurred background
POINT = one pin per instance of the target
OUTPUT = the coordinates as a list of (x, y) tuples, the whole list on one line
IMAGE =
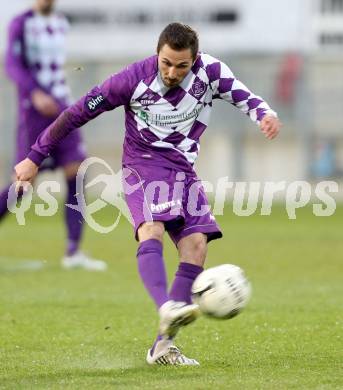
[(290, 53)]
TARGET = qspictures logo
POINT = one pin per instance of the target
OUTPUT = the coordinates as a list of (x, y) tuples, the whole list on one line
[(246, 198)]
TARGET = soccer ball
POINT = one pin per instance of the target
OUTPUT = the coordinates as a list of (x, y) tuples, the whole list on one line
[(222, 291)]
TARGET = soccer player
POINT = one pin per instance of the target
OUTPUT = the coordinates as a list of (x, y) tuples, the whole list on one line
[(168, 99), (34, 62)]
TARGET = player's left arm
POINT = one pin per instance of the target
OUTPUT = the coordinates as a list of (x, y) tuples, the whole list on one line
[(270, 126), (227, 87)]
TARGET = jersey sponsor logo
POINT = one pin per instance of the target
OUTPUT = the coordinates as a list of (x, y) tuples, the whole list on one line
[(166, 119), (94, 102), (147, 99), (143, 115), (158, 208)]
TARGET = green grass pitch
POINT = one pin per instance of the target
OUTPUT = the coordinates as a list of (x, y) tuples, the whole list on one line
[(80, 330)]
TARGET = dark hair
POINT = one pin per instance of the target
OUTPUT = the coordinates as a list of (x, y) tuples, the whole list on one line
[(179, 36)]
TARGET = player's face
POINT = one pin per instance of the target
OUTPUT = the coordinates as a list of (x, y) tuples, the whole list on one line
[(174, 65), (45, 6)]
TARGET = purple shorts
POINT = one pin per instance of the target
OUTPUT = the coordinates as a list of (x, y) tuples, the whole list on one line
[(176, 198), (71, 149)]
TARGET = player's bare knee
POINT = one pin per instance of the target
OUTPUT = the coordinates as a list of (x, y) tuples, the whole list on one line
[(193, 249), (151, 231)]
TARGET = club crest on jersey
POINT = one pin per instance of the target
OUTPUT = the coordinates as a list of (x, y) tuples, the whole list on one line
[(198, 88), (94, 102)]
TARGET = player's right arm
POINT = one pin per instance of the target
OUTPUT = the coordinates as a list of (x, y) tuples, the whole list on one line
[(114, 92)]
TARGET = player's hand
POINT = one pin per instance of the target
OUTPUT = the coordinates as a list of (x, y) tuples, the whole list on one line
[(25, 173), (44, 103), (270, 126)]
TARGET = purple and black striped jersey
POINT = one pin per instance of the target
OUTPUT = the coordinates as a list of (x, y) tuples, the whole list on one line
[(163, 125)]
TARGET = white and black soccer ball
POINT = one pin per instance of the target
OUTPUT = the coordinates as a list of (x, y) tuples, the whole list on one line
[(222, 291)]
